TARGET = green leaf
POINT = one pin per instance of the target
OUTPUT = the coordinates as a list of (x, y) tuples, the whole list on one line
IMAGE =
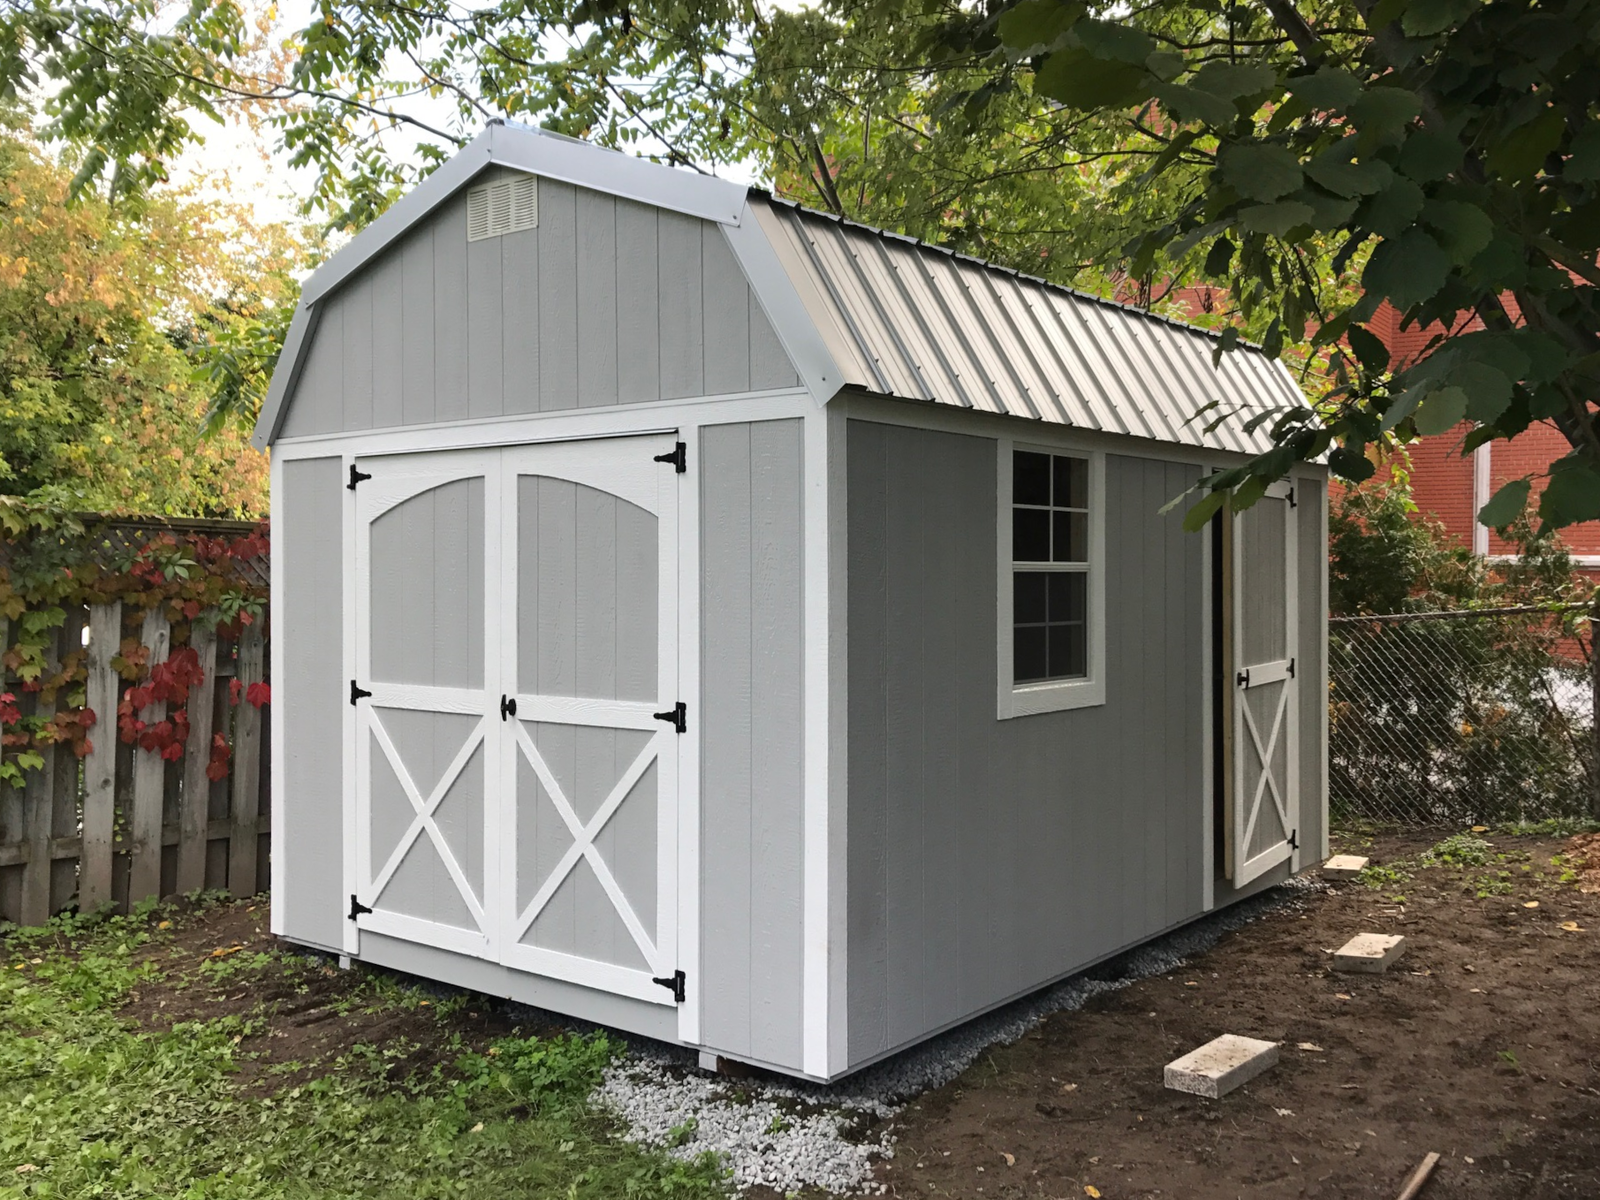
[(1350, 464), (1464, 229), (1488, 390), (1384, 112), (1080, 80), (1520, 153), (1391, 211), (1442, 411), (1506, 505), (1278, 219), (1368, 347), (1572, 495), (1259, 170), (1115, 41), (1403, 405), (1328, 212), (1233, 81), (1191, 104), (1334, 171), (1203, 510), (1408, 269), (1165, 65), (1328, 88), (1247, 493), (1219, 258), (1424, 18), (1035, 26), (1429, 155), (1583, 164)]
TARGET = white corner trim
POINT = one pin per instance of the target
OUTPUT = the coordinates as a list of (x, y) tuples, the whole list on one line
[(815, 815), (1480, 496), (1028, 699)]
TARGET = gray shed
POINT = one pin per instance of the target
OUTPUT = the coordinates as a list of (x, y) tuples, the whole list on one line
[(719, 621)]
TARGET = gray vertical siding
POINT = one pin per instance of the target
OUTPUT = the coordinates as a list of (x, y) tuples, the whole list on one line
[(751, 740), (310, 841), (606, 302), (985, 856)]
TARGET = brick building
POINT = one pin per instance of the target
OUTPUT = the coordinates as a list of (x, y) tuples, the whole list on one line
[(1453, 487)]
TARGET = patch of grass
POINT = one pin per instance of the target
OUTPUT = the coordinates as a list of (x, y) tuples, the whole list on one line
[(1459, 850), (1384, 875), (90, 1107)]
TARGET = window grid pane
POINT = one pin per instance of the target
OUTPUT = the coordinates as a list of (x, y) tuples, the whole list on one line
[(1049, 530)]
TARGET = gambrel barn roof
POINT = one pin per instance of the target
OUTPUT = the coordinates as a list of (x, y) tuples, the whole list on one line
[(858, 308)]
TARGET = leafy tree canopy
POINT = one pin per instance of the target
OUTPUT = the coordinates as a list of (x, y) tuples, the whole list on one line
[(1307, 159), (100, 308)]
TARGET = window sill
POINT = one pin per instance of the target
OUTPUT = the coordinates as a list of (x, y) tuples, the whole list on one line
[(1031, 699)]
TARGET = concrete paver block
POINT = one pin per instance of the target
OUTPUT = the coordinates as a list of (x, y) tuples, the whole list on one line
[(1344, 866), (1221, 1065), (1369, 952)]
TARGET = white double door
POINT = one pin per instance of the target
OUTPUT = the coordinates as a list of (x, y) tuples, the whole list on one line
[(516, 751), (1264, 714)]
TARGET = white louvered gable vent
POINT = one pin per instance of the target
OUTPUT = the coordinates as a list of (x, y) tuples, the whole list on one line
[(505, 206)]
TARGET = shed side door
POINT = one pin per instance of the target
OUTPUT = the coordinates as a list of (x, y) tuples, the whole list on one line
[(591, 645), (426, 734), (1266, 802)]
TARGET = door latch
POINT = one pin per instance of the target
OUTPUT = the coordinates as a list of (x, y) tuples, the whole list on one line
[(676, 983), (677, 716), (508, 707)]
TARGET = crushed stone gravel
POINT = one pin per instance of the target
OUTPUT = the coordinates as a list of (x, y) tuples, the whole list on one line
[(790, 1134)]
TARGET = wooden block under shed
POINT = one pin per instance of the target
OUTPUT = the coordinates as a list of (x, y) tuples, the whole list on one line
[(1344, 866), (1370, 953), (1221, 1065)]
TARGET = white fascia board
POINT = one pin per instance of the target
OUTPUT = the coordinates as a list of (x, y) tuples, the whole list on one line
[(302, 327), (787, 312), (526, 149)]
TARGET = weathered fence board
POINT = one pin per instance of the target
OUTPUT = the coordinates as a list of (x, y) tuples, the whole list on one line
[(100, 765), (194, 800), (246, 768), (149, 776)]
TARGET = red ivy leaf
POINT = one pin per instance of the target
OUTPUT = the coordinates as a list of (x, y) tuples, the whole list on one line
[(234, 688), (259, 694)]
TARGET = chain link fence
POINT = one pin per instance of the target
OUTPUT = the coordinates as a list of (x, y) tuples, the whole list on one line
[(1471, 717)]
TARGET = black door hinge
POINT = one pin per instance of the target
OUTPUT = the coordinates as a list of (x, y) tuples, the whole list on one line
[(679, 458), (677, 716), (676, 983), (356, 907), (356, 477), (508, 707), (1294, 839), (1291, 499), (1244, 678), (357, 692), (1291, 668)]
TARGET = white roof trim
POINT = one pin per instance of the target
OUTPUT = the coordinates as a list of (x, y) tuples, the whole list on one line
[(287, 373), (790, 314)]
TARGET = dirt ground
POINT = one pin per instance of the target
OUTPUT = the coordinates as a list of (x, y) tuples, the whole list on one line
[(1482, 1043)]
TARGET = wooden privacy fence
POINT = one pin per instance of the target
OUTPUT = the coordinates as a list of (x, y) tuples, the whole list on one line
[(164, 788)]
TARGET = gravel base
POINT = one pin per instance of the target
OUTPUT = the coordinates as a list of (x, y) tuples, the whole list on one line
[(792, 1134)]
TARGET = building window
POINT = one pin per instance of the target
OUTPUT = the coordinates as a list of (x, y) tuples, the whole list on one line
[(1050, 587)]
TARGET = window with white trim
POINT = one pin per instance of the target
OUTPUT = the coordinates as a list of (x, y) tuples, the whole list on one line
[(1051, 590)]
